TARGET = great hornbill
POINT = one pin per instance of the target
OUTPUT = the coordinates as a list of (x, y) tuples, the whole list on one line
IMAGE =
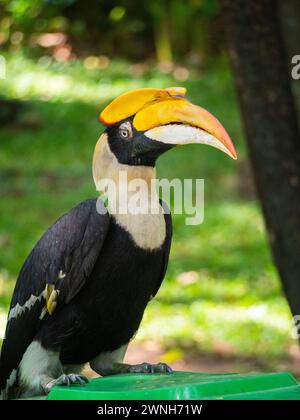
[(82, 291)]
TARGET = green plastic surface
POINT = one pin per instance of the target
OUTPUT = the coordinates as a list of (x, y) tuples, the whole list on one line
[(184, 386)]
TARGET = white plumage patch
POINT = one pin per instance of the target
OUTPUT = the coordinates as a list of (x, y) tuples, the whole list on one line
[(107, 359), (9, 383), (18, 309), (36, 362), (147, 230)]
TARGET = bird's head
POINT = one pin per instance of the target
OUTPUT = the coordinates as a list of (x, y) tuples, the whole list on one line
[(142, 124)]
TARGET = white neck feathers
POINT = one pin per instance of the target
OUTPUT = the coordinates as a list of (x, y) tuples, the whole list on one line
[(147, 229)]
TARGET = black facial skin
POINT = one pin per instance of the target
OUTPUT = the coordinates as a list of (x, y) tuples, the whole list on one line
[(135, 149)]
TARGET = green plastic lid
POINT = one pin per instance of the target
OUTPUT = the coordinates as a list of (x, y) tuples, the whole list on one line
[(184, 386)]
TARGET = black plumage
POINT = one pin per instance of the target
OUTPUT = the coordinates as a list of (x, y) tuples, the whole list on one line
[(104, 280)]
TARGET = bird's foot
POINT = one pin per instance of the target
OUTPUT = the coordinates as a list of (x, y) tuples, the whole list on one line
[(65, 380), (150, 368)]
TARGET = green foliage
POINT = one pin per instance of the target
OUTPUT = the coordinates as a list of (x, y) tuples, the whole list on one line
[(221, 291), (135, 29)]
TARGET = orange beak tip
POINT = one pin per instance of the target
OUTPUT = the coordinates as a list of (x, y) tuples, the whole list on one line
[(232, 150)]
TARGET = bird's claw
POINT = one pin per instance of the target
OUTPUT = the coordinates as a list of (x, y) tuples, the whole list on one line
[(65, 380), (150, 368)]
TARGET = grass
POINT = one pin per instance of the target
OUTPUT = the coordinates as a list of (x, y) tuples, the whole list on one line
[(221, 294)]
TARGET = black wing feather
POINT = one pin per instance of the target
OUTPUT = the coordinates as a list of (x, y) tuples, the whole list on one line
[(167, 245), (64, 256)]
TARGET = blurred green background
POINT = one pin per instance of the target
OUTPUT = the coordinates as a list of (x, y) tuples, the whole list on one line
[(221, 307)]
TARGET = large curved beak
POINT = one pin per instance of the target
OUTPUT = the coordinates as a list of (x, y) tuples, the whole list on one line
[(179, 122), (167, 116)]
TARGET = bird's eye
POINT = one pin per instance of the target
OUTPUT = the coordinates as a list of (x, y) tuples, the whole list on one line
[(124, 133), (125, 130)]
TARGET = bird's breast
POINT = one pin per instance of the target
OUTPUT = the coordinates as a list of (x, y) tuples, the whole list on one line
[(148, 231), (107, 311)]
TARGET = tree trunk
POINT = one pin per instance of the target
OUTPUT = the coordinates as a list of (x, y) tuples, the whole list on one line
[(264, 87), (289, 15)]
